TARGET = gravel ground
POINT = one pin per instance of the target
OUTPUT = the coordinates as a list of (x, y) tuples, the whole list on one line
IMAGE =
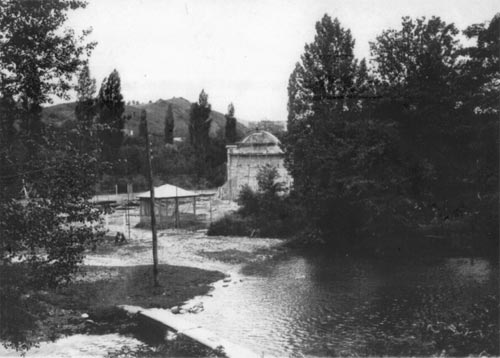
[(175, 247), (111, 264)]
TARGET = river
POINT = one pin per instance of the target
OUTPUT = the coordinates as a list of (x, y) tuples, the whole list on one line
[(318, 305)]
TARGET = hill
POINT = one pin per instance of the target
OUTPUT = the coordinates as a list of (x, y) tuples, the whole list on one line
[(64, 114)]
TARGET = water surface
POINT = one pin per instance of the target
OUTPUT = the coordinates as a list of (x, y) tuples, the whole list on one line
[(329, 306)]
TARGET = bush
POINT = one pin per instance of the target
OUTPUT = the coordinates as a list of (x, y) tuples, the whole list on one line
[(269, 212), (248, 202), (231, 225)]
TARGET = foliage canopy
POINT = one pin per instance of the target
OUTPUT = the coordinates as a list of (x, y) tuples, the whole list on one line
[(46, 175)]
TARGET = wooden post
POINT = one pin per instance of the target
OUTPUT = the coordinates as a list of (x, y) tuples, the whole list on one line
[(152, 204), (210, 209), (176, 212), (178, 216), (159, 213), (129, 190), (166, 213), (229, 151)]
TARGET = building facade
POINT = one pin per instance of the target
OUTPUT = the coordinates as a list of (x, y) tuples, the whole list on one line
[(246, 158)]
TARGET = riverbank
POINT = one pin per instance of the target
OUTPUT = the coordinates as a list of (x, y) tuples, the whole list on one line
[(112, 275), (86, 308)]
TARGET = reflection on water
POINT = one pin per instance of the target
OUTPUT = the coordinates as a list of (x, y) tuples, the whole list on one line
[(320, 305), (469, 269), (324, 306)]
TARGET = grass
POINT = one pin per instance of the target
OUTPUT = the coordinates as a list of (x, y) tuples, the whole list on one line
[(133, 285), (88, 304), (230, 256)]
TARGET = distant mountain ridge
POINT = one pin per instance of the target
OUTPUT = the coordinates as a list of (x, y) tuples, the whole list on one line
[(64, 114)]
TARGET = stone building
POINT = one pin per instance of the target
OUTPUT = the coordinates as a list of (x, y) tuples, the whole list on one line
[(244, 159)]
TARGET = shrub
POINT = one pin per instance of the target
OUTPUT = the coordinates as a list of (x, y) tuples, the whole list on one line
[(248, 201), (231, 225), (269, 212)]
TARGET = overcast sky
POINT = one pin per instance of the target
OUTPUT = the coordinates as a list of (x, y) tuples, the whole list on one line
[(239, 51)]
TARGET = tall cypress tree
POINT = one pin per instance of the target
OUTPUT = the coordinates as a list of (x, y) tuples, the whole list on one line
[(142, 125), (85, 110), (230, 130), (111, 107), (199, 130), (169, 125), (85, 90)]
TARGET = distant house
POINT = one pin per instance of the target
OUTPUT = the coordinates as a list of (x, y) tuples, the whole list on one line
[(267, 125), (244, 159)]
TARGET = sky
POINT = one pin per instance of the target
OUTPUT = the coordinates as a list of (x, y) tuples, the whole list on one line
[(239, 51)]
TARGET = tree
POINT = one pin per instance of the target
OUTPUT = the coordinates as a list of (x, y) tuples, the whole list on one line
[(410, 141), (38, 57), (46, 179), (482, 78), (328, 64), (9, 115), (333, 152), (268, 209), (418, 66), (85, 110), (199, 130), (111, 107), (142, 126), (419, 60), (230, 129), (323, 79), (480, 84), (169, 125), (432, 90), (85, 89)]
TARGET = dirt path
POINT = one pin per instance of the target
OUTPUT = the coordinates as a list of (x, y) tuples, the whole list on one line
[(175, 247)]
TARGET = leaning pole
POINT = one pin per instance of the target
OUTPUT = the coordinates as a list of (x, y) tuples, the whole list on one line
[(151, 202)]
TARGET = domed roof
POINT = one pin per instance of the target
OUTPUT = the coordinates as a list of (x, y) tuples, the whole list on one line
[(257, 143), (260, 138)]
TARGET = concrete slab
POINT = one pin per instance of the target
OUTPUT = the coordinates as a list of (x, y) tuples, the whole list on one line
[(193, 331)]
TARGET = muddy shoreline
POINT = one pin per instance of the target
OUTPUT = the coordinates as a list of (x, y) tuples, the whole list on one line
[(191, 265)]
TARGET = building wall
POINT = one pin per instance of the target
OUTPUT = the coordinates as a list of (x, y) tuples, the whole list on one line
[(242, 170)]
